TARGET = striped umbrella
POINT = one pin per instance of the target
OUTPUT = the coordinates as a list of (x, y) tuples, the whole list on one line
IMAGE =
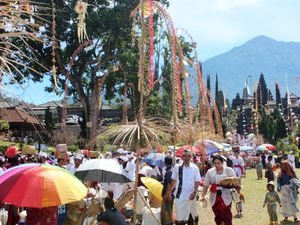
[(40, 185)]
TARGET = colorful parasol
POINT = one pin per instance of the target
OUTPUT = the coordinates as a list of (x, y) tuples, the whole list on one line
[(195, 150), (11, 151), (266, 147), (154, 187), (39, 185), (211, 147)]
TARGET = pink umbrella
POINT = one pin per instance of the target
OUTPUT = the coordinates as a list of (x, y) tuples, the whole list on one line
[(195, 150), (266, 147)]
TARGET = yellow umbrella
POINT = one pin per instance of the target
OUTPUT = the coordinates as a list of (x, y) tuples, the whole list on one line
[(154, 187)]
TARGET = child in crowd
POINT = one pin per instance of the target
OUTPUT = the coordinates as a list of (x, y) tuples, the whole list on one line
[(239, 199), (271, 200)]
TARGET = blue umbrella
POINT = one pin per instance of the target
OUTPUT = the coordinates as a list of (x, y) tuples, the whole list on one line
[(155, 159)]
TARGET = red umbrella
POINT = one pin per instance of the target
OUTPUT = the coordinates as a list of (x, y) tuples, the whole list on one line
[(195, 150), (11, 151)]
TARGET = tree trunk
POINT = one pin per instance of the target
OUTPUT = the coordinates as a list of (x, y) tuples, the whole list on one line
[(94, 113)]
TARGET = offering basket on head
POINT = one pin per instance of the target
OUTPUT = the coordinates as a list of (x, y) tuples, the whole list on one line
[(230, 182)]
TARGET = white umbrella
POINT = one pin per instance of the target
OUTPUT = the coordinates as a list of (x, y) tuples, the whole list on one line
[(103, 171)]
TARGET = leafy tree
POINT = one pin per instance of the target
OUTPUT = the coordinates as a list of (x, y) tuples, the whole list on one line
[(272, 126), (232, 120), (4, 125), (109, 26), (166, 99), (49, 124)]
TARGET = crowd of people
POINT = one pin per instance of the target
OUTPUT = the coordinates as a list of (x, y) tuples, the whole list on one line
[(186, 181)]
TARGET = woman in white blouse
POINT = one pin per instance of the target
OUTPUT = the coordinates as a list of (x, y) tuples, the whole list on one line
[(220, 198)]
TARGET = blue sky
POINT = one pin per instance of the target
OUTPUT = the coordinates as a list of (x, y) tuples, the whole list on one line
[(217, 26)]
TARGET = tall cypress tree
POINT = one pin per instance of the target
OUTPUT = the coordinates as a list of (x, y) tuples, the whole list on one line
[(208, 86), (236, 102), (262, 91), (270, 96), (208, 82), (216, 89), (278, 97)]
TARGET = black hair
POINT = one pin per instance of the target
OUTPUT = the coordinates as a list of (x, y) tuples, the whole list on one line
[(218, 157), (168, 160), (109, 203), (273, 188), (270, 157)]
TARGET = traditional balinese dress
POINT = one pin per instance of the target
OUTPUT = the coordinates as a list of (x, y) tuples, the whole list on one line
[(288, 191), (220, 198)]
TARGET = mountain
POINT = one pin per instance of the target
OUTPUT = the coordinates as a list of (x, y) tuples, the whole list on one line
[(275, 59)]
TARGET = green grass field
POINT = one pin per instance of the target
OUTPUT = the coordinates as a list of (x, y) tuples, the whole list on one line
[(254, 213)]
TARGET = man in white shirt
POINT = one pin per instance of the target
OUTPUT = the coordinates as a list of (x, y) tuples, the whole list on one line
[(77, 163), (186, 180), (130, 167), (118, 188)]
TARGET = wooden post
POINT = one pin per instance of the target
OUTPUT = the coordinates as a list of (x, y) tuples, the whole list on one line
[(137, 163), (141, 109)]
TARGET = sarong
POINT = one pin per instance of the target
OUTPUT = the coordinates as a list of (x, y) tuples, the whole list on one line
[(222, 212), (272, 211), (167, 212), (184, 208), (288, 208)]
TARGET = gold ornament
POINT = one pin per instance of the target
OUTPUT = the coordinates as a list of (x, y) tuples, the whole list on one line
[(81, 10)]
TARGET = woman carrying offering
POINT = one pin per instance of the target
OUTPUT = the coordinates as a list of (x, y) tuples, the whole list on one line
[(220, 197), (287, 186)]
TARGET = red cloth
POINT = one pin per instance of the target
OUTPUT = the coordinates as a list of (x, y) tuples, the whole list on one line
[(43, 216), (239, 166), (222, 212), (213, 188)]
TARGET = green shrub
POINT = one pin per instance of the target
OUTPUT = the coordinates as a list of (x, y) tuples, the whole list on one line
[(73, 148), (108, 148), (4, 125)]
